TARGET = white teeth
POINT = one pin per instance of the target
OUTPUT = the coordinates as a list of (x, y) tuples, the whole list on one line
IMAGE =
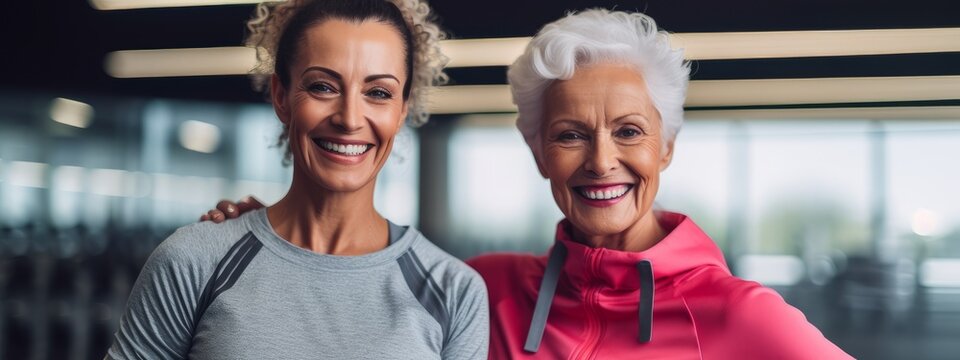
[(606, 194), (344, 149)]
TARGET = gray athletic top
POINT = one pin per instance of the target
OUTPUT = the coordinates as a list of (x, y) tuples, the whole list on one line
[(237, 290)]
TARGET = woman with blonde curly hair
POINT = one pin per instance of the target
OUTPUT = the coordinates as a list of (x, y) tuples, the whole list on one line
[(319, 274)]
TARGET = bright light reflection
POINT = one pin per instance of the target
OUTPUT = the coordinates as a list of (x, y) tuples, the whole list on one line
[(925, 222), (199, 136)]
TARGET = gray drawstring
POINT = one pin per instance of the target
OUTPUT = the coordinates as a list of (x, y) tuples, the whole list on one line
[(645, 310), (548, 286)]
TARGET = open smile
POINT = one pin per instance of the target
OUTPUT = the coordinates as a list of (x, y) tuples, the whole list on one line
[(603, 195), (345, 152), (350, 149)]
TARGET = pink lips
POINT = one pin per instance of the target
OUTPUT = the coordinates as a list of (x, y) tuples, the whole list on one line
[(602, 195)]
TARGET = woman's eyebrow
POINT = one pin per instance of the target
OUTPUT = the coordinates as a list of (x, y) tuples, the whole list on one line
[(570, 122), (322, 69), (380, 76), (622, 118)]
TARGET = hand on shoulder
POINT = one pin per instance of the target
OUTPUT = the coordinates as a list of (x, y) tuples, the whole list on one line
[(227, 209)]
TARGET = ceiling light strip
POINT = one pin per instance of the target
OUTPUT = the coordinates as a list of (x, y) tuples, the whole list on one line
[(794, 44), (742, 45), (878, 113), (463, 99), (483, 52), (147, 4), (704, 93), (822, 90), (180, 62), (503, 51)]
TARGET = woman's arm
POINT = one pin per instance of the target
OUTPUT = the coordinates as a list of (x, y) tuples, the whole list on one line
[(158, 321), (766, 327), (469, 331)]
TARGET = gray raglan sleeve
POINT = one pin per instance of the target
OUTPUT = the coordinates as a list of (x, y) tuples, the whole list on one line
[(158, 320), (469, 330)]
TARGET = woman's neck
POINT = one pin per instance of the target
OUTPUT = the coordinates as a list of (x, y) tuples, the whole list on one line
[(640, 236), (329, 222)]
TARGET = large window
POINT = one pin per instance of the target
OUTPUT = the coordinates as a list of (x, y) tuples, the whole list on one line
[(697, 182), (923, 195), (497, 198), (164, 167)]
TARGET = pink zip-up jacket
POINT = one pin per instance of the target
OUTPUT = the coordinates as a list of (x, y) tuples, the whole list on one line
[(676, 300)]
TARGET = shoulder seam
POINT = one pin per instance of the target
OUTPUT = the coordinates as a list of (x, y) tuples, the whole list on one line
[(693, 321), (425, 289), (228, 270)]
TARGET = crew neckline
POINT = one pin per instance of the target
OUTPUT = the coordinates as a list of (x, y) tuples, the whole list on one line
[(259, 224)]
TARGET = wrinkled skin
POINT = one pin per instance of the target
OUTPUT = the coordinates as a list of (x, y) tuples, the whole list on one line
[(343, 105), (600, 132)]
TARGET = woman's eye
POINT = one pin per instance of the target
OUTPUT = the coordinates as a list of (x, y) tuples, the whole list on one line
[(628, 133), (570, 136), (379, 94), (320, 88)]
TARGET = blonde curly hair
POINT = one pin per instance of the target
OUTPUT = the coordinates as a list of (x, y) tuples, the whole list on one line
[(269, 22)]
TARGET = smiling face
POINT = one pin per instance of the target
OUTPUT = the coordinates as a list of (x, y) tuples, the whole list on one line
[(344, 104), (601, 148)]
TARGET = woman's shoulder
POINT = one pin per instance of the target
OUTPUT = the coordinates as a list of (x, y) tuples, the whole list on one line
[(197, 247), (452, 275), (716, 297), (738, 316), (716, 286)]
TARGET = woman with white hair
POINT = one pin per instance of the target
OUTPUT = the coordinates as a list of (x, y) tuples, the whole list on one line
[(600, 96)]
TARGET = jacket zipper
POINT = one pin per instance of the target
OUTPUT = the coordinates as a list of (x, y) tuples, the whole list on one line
[(594, 331)]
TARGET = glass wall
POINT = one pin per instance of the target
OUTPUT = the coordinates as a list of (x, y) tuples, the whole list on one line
[(854, 221), (82, 208)]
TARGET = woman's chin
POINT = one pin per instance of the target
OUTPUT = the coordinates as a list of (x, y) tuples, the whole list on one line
[(600, 226), (338, 180)]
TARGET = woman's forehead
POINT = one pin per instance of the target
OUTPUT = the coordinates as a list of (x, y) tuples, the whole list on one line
[(611, 89), (373, 45), (604, 75)]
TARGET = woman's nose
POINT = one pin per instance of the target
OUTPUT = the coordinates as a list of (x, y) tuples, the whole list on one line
[(603, 156), (349, 118)]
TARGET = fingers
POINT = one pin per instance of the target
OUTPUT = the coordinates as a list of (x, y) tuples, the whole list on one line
[(249, 203), (216, 216), (228, 208)]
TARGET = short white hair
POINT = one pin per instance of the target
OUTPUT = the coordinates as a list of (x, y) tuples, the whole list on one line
[(599, 36)]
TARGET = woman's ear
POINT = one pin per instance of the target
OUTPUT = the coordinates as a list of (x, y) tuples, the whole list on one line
[(278, 95), (667, 157)]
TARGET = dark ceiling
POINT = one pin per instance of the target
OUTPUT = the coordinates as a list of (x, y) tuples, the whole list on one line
[(58, 46)]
